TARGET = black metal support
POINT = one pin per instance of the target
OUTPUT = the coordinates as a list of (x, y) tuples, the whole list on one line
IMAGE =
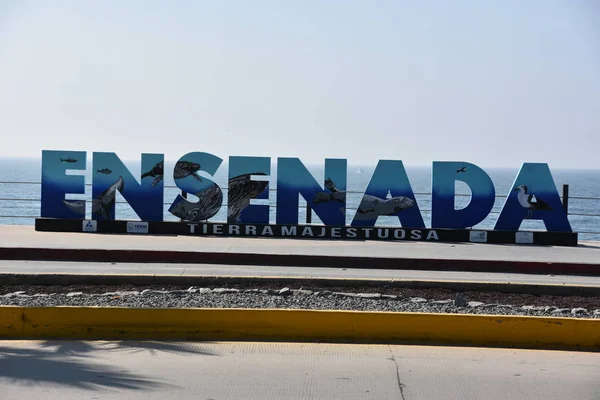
[(308, 214), (565, 198), (220, 229)]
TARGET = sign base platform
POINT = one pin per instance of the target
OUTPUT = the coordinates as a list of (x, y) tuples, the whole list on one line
[(315, 232)]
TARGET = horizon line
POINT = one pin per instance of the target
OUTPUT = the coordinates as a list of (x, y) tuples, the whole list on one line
[(225, 162)]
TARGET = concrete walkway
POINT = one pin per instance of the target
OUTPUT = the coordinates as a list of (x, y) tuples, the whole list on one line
[(22, 242), (277, 371), (26, 236)]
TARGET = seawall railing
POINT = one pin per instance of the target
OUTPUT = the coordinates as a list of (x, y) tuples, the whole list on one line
[(35, 205)]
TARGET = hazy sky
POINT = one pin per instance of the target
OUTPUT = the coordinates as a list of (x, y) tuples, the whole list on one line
[(495, 83)]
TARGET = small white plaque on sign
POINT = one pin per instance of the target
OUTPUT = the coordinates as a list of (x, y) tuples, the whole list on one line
[(478, 236), (137, 227), (89, 226), (524, 237)]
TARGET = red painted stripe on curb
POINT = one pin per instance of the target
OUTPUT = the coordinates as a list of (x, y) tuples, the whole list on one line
[(295, 260)]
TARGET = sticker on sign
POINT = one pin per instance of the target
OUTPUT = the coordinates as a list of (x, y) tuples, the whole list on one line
[(478, 236), (137, 227), (524, 237), (89, 226)]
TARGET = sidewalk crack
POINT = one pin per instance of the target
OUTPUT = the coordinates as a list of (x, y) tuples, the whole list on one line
[(400, 384)]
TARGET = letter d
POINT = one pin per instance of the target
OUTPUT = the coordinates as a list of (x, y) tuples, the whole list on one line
[(483, 195)]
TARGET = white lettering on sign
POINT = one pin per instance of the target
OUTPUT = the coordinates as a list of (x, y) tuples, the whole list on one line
[(289, 231), (432, 235), (307, 231), (524, 237), (267, 230), (478, 236), (399, 233), (383, 233), (137, 227), (89, 226), (416, 235)]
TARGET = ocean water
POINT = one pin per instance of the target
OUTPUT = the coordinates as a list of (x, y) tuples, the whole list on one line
[(20, 193)]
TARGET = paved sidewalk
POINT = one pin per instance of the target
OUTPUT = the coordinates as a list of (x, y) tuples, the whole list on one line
[(277, 371), (24, 243), (26, 236)]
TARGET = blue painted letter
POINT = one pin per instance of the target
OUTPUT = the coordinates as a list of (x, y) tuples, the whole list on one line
[(111, 175), (294, 179), (56, 183), (483, 195), (389, 176), (534, 196), (210, 196), (242, 189)]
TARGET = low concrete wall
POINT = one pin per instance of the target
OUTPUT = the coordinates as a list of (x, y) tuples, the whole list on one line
[(91, 323)]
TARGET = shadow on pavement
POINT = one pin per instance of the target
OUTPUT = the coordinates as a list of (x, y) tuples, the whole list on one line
[(70, 363), (80, 348)]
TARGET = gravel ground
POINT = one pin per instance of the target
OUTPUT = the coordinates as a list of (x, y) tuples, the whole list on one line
[(428, 293), (370, 299)]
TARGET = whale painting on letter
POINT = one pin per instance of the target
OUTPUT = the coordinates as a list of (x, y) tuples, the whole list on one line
[(186, 174), (144, 195), (389, 177)]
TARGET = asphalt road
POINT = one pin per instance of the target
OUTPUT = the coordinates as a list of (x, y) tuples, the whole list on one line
[(265, 371), (46, 267)]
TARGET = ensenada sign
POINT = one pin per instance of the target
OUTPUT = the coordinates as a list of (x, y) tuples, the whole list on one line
[(532, 196)]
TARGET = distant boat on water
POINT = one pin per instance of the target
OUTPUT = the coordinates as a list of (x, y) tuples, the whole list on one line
[(360, 171)]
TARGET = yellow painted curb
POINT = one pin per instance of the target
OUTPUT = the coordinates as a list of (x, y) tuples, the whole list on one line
[(99, 323)]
